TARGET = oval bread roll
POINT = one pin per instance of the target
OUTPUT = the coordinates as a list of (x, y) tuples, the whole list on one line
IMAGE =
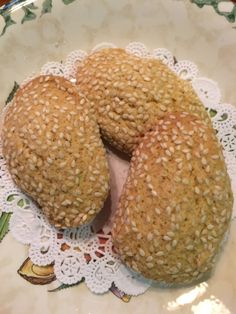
[(128, 94), (54, 152), (176, 204)]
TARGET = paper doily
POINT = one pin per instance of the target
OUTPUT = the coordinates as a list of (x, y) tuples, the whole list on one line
[(81, 253)]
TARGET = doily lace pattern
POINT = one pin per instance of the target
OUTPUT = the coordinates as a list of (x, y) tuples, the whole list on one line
[(77, 254), (82, 253)]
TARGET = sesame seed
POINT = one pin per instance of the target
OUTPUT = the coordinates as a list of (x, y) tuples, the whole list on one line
[(150, 186), (66, 202), (157, 210), (160, 253), (98, 194), (197, 190), (130, 198), (174, 243), (189, 247), (223, 213), (62, 164), (163, 108), (149, 258), (210, 227), (170, 234), (141, 252), (145, 167), (204, 161), (154, 193), (79, 200), (149, 236), (180, 166), (168, 210), (49, 160), (185, 181), (188, 156), (129, 253), (139, 236), (177, 179), (148, 178), (84, 217)]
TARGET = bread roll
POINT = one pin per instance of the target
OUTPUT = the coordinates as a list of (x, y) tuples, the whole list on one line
[(128, 94), (54, 152), (176, 204)]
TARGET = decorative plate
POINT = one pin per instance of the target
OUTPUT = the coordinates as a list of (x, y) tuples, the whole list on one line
[(45, 31)]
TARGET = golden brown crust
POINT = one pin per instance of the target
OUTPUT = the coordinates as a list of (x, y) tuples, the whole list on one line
[(54, 152), (129, 94), (177, 202)]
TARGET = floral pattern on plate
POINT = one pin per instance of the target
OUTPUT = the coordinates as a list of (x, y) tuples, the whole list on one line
[(227, 8), (31, 11)]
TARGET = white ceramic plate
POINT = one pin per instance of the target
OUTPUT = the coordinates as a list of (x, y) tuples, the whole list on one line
[(199, 35)]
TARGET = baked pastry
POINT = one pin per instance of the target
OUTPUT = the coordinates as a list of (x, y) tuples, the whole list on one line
[(128, 94), (54, 152), (176, 204)]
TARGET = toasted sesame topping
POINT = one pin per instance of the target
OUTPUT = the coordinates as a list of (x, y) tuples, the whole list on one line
[(46, 167), (141, 252), (197, 190), (173, 172), (166, 238), (149, 236), (157, 210)]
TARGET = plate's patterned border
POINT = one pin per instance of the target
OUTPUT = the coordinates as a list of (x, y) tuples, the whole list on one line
[(220, 7), (32, 11)]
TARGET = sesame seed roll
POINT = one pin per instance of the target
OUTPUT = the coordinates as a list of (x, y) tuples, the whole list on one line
[(176, 204), (128, 94), (53, 151)]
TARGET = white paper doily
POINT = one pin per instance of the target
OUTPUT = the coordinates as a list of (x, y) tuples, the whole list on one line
[(81, 253)]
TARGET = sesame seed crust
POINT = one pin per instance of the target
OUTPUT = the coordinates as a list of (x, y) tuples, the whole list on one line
[(52, 147), (128, 94), (180, 226)]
